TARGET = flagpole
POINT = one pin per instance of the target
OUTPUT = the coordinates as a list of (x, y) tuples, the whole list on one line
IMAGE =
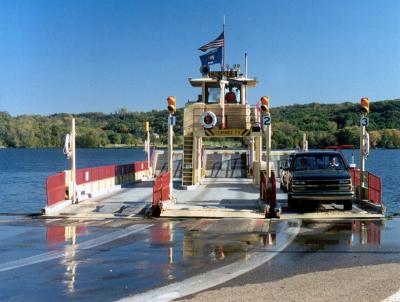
[(223, 47)]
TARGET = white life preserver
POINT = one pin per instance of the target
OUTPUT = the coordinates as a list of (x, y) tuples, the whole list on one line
[(208, 119), (67, 150), (366, 144)]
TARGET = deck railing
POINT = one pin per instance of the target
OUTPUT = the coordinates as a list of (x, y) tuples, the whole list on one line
[(55, 188), (268, 192), (93, 181), (161, 191), (373, 184)]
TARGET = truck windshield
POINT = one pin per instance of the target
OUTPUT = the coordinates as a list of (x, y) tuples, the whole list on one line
[(318, 162)]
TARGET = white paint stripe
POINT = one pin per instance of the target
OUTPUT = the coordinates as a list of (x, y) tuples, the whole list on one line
[(393, 298), (79, 247), (217, 276)]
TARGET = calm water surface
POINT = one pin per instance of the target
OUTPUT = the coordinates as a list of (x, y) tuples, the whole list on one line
[(23, 173)]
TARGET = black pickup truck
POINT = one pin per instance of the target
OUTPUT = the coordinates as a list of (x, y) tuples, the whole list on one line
[(321, 176)]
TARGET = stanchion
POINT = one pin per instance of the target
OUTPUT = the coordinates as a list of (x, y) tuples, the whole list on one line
[(171, 122), (73, 163)]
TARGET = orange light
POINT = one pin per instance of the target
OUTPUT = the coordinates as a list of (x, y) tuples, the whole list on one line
[(146, 126), (171, 104), (364, 106), (265, 104)]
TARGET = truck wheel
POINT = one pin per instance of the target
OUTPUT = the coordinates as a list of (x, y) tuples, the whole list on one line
[(347, 205)]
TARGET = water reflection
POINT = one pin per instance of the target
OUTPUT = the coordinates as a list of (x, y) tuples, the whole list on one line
[(355, 232), (199, 246), (163, 235), (56, 235), (367, 232), (268, 239)]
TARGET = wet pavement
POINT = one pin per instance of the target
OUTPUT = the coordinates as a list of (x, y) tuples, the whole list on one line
[(328, 261), (110, 259), (106, 260)]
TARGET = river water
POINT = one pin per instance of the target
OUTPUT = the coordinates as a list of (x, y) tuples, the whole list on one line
[(23, 173)]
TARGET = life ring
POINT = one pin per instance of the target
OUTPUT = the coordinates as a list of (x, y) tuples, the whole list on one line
[(67, 150), (208, 119)]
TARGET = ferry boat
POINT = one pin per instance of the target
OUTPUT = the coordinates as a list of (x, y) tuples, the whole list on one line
[(200, 181), (220, 182)]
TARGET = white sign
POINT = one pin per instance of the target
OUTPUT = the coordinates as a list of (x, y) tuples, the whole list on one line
[(172, 120), (266, 120), (364, 121)]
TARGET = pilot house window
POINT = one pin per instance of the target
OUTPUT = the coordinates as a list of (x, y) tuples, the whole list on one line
[(213, 95)]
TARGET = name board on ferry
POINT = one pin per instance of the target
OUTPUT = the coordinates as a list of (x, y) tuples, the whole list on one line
[(227, 132), (220, 74)]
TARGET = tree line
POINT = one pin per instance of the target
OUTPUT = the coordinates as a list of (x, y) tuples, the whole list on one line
[(324, 124)]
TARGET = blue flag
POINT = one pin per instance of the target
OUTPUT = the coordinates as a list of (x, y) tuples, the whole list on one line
[(212, 57)]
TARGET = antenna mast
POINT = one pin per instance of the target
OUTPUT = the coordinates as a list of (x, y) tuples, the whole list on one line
[(223, 47)]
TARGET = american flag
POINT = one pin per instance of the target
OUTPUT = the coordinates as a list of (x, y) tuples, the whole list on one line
[(218, 42)]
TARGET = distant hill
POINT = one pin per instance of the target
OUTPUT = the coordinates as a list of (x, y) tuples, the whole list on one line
[(325, 124), (332, 124)]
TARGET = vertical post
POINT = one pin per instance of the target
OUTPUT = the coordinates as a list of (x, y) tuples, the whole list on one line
[(73, 163), (170, 151), (364, 106), (223, 48), (194, 160), (258, 158), (305, 142), (245, 65), (147, 129), (171, 121), (148, 152), (245, 74), (222, 103), (198, 164), (251, 157), (266, 123), (362, 155), (268, 149), (260, 154)]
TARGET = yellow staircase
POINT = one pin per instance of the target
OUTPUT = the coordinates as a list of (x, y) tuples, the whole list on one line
[(187, 171)]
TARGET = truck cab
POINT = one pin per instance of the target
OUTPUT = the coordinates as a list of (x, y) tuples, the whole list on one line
[(321, 176)]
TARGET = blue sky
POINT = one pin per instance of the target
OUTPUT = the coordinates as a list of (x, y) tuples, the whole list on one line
[(81, 56)]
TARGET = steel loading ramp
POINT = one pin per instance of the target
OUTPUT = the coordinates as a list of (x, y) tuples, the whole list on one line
[(216, 198)]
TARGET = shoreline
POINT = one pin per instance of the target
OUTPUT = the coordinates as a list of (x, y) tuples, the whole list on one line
[(157, 147)]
